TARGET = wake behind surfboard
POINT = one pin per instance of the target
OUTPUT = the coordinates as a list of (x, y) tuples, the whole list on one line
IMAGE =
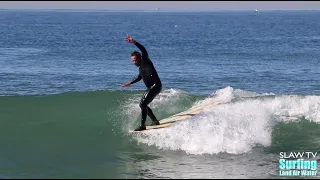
[(164, 123)]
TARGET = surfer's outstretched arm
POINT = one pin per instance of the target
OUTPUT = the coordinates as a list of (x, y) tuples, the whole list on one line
[(136, 79), (143, 50)]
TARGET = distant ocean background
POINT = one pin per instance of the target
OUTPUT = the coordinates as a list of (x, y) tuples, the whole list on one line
[(64, 114)]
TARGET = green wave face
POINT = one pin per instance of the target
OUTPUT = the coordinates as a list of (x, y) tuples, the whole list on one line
[(79, 120), (84, 129), (101, 119)]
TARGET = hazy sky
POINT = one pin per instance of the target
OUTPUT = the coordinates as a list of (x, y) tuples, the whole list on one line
[(164, 5)]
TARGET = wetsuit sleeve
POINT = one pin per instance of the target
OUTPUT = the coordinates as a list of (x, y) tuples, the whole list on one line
[(136, 79), (142, 49)]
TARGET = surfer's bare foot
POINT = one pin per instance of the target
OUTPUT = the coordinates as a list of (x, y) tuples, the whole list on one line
[(140, 128), (154, 123)]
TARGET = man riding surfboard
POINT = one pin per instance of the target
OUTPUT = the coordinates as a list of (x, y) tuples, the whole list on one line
[(150, 77)]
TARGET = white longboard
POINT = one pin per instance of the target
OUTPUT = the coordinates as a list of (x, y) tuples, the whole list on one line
[(178, 117)]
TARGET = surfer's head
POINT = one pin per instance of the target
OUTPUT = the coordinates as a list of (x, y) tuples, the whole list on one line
[(136, 58)]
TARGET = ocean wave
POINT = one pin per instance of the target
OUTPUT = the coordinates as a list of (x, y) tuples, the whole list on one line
[(234, 126)]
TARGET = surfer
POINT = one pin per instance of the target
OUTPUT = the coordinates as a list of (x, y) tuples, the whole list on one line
[(148, 73)]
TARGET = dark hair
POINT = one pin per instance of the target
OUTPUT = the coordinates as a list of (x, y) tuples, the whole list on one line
[(136, 53)]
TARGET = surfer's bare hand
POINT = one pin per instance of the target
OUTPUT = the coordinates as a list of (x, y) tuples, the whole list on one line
[(126, 84), (130, 39)]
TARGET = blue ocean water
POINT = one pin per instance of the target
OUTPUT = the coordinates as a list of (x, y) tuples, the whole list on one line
[(55, 52), (272, 55)]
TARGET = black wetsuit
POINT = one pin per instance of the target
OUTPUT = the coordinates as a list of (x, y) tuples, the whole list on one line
[(150, 77)]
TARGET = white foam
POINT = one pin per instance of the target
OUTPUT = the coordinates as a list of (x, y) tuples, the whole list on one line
[(233, 127)]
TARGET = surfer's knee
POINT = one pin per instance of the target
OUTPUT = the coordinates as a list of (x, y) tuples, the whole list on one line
[(143, 105)]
